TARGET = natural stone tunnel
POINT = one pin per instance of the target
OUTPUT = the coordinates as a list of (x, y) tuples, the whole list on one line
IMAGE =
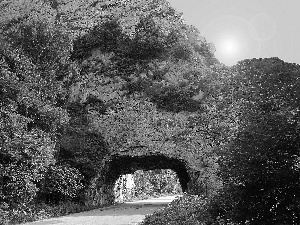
[(101, 192), (121, 165)]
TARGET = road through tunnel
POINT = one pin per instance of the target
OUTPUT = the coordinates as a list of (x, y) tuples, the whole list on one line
[(101, 191), (120, 165)]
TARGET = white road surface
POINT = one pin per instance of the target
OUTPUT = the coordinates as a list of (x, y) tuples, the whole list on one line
[(128, 213)]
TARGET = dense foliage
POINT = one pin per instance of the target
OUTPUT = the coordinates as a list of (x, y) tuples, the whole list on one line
[(260, 167), (33, 56), (188, 209), (75, 88)]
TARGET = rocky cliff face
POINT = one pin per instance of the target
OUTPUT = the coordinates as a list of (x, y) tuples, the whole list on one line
[(135, 89), (141, 77)]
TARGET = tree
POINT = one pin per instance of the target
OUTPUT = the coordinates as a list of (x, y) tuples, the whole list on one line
[(34, 57), (260, 165)]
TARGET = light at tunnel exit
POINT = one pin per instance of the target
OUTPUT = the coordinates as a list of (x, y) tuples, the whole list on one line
[(146, 184)]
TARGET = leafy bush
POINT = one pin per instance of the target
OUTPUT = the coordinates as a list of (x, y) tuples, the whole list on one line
[(186, 210), (32, 55), (24, 158), (260, 165), (61, 182), (261, 174)]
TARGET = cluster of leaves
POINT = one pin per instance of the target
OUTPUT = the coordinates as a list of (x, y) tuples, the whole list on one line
[(33, 59), (260, 165), (188, 209)]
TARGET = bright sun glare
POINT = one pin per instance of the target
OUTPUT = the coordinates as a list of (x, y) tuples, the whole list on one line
[(228, 49)]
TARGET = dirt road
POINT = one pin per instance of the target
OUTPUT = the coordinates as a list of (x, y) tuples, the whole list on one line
[(128, 213)]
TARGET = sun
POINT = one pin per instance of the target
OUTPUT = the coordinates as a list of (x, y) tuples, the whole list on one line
[(228, 48), (237, 36)]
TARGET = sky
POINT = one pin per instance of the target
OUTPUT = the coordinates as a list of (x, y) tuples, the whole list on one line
[(246, 29)]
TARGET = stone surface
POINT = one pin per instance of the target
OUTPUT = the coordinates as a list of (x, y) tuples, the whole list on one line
[(101, 192)]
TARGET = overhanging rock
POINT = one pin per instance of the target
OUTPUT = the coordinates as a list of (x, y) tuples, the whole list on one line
[(101, 190)]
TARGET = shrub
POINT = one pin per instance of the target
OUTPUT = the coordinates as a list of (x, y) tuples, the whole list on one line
[(61, 183), (188, 209)]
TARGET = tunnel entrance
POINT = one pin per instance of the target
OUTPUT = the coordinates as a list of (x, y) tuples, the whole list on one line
[(146, 184), (121, 165), (101, 189)]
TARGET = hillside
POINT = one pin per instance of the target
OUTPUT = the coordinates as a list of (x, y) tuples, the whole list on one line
[(86, 81)]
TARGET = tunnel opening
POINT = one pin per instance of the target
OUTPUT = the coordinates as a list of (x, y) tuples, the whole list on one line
[(144, 184), (127, 167)]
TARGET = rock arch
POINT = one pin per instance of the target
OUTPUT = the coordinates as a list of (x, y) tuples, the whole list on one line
[(129, 164), (101, 191)]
